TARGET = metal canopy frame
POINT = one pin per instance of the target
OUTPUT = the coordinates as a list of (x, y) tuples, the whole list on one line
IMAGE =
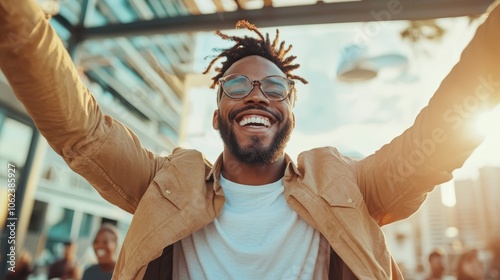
[(319, 13)]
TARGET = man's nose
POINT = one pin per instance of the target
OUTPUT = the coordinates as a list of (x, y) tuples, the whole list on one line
[(257, 95)]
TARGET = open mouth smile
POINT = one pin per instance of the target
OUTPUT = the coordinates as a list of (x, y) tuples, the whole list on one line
[(255, 120)]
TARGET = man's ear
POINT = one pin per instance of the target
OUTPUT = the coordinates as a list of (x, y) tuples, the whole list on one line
[(215, 121), (293, 120)]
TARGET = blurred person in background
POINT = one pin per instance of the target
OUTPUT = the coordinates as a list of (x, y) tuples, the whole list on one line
[(106, 250), (469, 266), (66, 268), (437, 265), (493, 272), (23, 267)]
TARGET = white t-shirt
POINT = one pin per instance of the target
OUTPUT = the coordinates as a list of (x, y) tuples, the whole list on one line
[(256, 236)]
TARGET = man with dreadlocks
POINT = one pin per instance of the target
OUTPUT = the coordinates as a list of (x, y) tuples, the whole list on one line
[(254, 213)]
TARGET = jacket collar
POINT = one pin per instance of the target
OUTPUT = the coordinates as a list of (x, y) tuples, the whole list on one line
[(214, 174)]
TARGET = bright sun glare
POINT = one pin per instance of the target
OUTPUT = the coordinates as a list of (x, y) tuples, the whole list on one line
[(484, 123), (448, 194)]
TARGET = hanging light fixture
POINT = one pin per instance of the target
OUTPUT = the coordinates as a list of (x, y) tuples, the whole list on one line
[(356, 65)]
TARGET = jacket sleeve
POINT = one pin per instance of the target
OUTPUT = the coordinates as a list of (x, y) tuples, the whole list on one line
[(396, 178), (43, 77)]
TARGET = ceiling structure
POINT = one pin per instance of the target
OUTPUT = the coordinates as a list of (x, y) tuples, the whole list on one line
[(161, 17)]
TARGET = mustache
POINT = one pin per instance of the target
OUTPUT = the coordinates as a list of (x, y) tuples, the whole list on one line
[(232, 115)]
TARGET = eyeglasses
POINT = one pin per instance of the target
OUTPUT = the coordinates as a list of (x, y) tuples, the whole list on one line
[(275, 88)]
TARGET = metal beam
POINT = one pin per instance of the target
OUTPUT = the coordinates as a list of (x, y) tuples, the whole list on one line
[(86, 9), (63, 22), (360, 11)]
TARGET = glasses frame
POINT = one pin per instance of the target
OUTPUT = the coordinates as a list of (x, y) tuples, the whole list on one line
[(254, 83)]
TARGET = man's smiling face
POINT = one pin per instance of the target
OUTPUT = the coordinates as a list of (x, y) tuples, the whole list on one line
[(254, 129)]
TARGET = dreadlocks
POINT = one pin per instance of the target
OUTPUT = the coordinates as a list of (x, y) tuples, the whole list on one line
[(246, 46)]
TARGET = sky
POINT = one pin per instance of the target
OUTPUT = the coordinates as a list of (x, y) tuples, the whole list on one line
[(357, 118)]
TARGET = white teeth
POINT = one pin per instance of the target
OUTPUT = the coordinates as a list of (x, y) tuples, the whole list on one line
[(100, 252), (255, 120)]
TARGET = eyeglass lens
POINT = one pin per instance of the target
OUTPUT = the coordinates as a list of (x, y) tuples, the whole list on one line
[(239, 86)]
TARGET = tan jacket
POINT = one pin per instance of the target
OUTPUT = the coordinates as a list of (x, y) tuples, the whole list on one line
[(171, 197)]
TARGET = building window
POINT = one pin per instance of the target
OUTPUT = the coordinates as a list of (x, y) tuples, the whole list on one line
[(86, 226), (15, 140)]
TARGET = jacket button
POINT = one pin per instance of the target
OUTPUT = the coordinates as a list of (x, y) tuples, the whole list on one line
[(167, 192), (349, 200)]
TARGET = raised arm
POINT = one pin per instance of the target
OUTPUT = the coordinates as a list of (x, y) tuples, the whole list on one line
[(396, 178), (43, 77)]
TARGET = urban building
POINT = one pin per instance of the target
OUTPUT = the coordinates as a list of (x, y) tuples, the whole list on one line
[(138, 80), (489, 182), (471, 222)]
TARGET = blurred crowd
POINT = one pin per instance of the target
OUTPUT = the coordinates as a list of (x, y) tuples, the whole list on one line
[(471, 264), (105, 247)]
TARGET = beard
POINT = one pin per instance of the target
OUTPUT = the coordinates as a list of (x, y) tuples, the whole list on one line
[(256, 152)]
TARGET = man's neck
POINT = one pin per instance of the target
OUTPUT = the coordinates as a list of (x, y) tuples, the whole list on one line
[(252, 174)]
